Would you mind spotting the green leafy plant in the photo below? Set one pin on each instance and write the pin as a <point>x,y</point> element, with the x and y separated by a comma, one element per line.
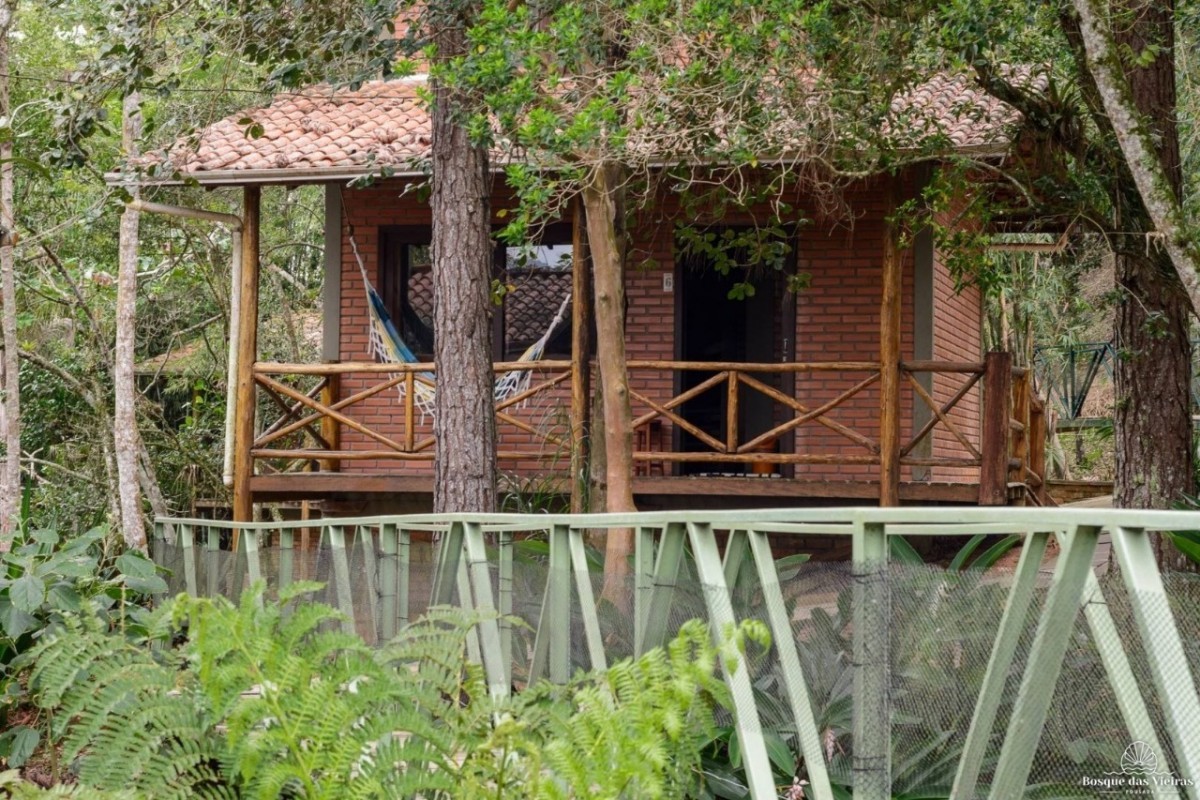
<point>271,699</point>
<point>44,579</point>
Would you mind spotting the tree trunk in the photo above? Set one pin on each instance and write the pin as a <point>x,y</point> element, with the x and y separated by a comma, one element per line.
<point>1152,417</point>
<point>1153,369</point>
<point>464,414</point>
<point>600,205</point>
<point>10,478</point>
<point>1140,101</point>
<point>125,431</point>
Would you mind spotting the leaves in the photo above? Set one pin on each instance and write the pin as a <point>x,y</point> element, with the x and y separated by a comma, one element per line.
<point>17,745</point>
<point>262,703</point>
<point>27,593</point>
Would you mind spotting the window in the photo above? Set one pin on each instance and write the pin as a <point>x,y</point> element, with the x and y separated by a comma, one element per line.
<point>536,279</point>
<point>406,286</point>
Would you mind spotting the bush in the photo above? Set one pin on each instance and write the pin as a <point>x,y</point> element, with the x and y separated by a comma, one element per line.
<point>272,700</point>
<point>46,578</point>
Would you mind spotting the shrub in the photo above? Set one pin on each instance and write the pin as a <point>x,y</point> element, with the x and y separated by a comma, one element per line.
<point>45,578</point>
<point>272,700</point>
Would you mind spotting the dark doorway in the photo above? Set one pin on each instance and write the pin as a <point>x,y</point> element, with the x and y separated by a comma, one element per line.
<point>713,326</point>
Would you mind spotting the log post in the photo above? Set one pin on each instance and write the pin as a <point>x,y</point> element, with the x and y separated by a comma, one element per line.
<point>997,395</point>
<point>1019,425</point>
<point>581,302</point>
<point>331,431</point>
<point>243,432</point>
<point>1037,448</point>
<point>889,355</point>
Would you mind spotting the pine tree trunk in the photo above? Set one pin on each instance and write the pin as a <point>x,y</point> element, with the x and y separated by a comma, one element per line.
<point>1153,370</point>
<point>464,422</point>
<point>600,204</point>
<point>1140,101</point>
<point>10,372</point>
<point>125,431</point>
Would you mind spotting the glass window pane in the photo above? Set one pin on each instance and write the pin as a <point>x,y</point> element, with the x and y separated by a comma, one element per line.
<point>417,322</point>
<point>538,279</point>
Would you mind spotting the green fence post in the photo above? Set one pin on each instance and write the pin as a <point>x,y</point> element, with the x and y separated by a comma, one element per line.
<point>504,543</point>
<point>666,574</point>
<point>643,577</point>
<point>341,576</point>
<point>872,625</point>
<point>1045,662</point>
<point>489,631</point>
<point>1164,648</point>
<point>387,580</point>
<point>188,542</point>
<point>467,600</point>
<point>587,600</point>
<point>1120,674</point>
<point>366,543</point>
<point>403,585</point>
<point>212,560</point>
<point>789,662</point>
<point>446,571</point>
<point>556,625</point>
<point>1012,623</point>
<point>253,564</point>
<point>737,548</point>
<point>759,775</point>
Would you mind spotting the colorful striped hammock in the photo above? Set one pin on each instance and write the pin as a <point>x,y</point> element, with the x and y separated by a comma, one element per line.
<point>389,348</point>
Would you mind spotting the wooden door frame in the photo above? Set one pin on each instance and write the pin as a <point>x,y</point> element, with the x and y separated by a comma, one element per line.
<point>786,346</point>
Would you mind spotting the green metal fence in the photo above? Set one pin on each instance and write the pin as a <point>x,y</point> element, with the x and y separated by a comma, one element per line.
<point>1000,654</point>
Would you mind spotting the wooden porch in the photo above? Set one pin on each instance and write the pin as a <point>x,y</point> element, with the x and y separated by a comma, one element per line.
<point>776,431</point>
<point>355,429</point>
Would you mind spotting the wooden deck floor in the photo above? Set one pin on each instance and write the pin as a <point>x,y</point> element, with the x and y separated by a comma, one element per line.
<point>298,486</point>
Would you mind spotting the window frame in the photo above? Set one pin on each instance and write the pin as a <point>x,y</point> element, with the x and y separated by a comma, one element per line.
<point>393,274</point>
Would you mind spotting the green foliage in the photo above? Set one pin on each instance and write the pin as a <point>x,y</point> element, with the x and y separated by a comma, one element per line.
<point>270,699</point>
<point>12,786</point>
<point>45,579</point>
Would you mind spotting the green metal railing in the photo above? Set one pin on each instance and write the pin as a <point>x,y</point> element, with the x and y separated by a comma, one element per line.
<point>473,548</point>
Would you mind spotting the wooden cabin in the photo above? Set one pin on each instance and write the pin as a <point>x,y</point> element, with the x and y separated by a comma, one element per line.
<point>868,385</point>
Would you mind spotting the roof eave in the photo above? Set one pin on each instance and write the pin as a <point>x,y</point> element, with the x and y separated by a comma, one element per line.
<point>246,177</point>
<point>317,175</point>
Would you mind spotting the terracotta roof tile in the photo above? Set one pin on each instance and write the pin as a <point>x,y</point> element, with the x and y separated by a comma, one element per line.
<point>385,124</point>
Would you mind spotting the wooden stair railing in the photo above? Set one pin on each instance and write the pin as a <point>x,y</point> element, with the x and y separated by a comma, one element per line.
<point>1014,436</point>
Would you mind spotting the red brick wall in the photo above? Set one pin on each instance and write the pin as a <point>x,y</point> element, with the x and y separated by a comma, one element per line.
<point>837,319</point>
<point>957,336</point>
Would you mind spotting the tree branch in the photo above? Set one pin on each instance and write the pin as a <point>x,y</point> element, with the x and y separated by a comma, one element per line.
<point>1154,185</point>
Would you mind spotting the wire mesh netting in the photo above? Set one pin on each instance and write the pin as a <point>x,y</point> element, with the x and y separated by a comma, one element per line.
<point>939,630</point>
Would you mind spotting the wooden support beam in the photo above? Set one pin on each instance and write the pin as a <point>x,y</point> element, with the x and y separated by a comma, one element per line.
<point>331,432</point>
<point>890,355</point>
<point>581,345</point>
<point>1019,425</point>
<point>1037,449</point>
<point>997,395</point>
<point>243,430</point>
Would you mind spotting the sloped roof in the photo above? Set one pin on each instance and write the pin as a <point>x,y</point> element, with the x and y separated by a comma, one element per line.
<point>321,133</point>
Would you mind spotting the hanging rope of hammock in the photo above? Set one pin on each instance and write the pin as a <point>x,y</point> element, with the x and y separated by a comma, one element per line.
<point>387,347</point>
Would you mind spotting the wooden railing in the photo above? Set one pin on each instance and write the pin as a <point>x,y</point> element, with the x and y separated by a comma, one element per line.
<point>806,413</point>
<point>968,375</point>
<point>1014,437</point>
<point>724,443</point>
<point>314,421</point>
